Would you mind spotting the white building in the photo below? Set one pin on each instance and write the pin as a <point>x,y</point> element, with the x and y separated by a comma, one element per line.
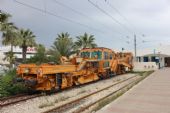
<point>17,53</point>
<point>162,60</point>
<point>158,54</point>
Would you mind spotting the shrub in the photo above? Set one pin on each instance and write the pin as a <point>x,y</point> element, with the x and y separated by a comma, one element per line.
<point>7,85</point>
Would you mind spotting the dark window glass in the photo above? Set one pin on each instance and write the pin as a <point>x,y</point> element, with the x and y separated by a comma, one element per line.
<point>106,56</point>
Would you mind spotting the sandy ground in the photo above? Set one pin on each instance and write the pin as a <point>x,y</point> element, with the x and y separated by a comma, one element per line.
<point>41,104</point>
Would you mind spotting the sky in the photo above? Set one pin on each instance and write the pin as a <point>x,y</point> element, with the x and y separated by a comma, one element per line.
<point>113,22</point>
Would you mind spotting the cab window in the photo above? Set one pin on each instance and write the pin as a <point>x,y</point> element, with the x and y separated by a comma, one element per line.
<point>111,56</point>
<point>96,54</point>
<point>85,54</point>
<point>106,55</point>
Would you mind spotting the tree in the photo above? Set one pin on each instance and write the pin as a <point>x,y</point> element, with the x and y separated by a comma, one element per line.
<point>26,38</point>
<point>63,46</point>
<point>4,20</point>
<point>40,56</point>
<point>9,31</point>
<point>9,36</point>
<point>85,41</point>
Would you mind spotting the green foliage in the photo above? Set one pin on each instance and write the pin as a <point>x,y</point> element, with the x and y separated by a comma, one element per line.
<point>142,73</point>
<point>9,56</point>
<point>63,46</point>
<point>4,18</point>
<point>9,35</point>
<point>41,56</point>
<point>8,87</point>
<point>26,38</point>
<point>9,31</point>
<point>85,41</point>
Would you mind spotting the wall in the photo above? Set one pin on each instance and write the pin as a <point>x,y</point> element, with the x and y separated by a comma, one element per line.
<point>17,53</point>
<point>162,60</point>
<point>145,66</point>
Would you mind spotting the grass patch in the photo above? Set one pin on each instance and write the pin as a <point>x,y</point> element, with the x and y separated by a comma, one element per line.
<point>118,79</point>
<point>61,99</point>
<point>49,103</point>
<point>46,104</point>
<point>107,101</point>
<point>143,73</point>
<point>82,91</point>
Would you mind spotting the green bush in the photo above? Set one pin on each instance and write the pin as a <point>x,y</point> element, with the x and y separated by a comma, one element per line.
<point>8,86</point>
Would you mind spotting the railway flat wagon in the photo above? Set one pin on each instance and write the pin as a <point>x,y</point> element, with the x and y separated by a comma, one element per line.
<point>91,64</point>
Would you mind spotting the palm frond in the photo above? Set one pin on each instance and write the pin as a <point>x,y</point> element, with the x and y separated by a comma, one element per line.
<point>85,41</point>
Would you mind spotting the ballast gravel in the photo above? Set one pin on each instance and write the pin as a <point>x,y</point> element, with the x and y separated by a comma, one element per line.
<point>44,103</point>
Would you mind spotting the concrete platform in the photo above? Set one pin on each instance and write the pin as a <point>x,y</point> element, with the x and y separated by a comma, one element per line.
<point>152,95</point>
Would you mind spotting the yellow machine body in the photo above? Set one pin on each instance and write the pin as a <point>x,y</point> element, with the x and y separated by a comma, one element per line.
<point>90,65</point>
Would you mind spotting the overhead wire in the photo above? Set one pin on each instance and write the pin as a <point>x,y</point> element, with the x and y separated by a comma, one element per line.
<point>45,5</point>
<point>110,16</point>
<point>80,13</point>
<point>125,19</point>
<point>58,16</point>
<point>115,9</point>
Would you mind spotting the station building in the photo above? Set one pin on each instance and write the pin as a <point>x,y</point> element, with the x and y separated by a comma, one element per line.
<point>159,55</point>
<point>161,60</point>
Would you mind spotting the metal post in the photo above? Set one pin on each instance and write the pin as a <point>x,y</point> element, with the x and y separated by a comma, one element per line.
<point>159,59</point>
<point>135,47</point>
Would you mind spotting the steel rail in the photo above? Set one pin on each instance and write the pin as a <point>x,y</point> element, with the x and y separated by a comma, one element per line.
<point>16,99</point>
<point>77,101</point>
<point>110,94</point>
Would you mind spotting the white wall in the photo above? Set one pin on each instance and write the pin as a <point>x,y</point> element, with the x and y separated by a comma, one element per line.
<point>145,66</point>
<point>17,51</point>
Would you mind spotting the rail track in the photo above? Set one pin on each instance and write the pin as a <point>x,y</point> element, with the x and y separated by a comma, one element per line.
<point>23,97</point>
<point>80,104</point>
<point>16,99</point>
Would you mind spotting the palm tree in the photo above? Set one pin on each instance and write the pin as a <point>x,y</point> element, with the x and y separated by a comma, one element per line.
<point>4,18</point>
<point>26,38</point>
<point>63,46</point>
<point>8,34</point>
<point>85,41</point>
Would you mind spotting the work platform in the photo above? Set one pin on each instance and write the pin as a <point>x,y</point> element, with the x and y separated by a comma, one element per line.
<point>152,95</point>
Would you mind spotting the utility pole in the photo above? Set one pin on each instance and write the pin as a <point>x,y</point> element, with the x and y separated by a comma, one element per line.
<point>135,46</point>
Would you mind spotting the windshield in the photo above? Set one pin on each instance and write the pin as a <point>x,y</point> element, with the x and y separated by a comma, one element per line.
<point>96,54</point>
<point>85,54</point>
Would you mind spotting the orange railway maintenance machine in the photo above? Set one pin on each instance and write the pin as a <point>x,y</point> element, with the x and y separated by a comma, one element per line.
<point>90,65</point>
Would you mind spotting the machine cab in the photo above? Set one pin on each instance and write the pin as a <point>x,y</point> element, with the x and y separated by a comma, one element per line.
<point>97,53</point>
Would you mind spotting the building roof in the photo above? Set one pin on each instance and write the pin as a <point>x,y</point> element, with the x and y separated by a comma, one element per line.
<point>162,55</point>
<point>163,49</point>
